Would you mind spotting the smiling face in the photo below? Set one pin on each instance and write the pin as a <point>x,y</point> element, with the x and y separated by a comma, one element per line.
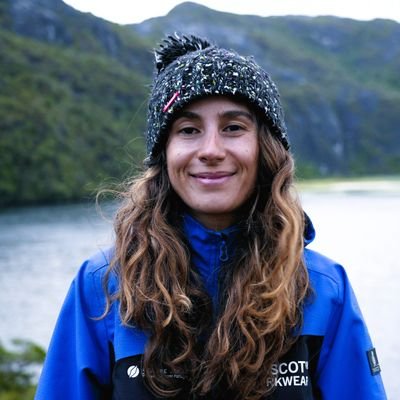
<point>212,158</point>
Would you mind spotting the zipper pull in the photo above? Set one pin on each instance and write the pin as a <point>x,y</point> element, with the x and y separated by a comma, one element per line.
<point>223,250</point>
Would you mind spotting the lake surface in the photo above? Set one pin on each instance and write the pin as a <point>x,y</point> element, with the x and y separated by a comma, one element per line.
<point>41,249</point>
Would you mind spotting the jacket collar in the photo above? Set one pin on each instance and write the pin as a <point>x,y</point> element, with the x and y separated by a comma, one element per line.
<point>309,231</point>
<point>210,249</point>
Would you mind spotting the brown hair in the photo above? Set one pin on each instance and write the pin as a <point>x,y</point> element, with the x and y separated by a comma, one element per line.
<point>161,293</point>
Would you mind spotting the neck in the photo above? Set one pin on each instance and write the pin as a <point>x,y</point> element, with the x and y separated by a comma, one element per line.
<point>215,222</point>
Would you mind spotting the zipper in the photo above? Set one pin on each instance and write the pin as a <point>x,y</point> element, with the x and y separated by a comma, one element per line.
<point>223,249</point>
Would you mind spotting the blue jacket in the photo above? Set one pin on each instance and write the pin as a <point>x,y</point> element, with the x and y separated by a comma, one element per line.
<point>90,358</point>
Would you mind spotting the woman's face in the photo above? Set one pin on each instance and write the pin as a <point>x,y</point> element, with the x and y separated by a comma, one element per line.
<point>212,158</point>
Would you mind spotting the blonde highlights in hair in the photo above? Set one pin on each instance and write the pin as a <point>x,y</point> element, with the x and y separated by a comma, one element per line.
<point>264,289</point>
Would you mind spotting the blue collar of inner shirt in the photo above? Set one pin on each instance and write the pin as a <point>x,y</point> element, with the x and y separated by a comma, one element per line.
<point>210,249</point>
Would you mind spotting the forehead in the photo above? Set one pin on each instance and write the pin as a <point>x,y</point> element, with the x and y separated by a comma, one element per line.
<point>215,104</point>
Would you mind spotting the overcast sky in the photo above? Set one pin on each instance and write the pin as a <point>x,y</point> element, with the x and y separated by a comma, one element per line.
<point>130,11</point>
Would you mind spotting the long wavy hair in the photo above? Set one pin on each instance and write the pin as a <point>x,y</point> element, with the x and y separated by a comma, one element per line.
<point>264,289</point>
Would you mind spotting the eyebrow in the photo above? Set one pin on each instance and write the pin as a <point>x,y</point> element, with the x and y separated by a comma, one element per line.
<point>226,114</point>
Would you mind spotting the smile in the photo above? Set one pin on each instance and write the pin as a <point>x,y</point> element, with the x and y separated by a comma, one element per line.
<point>212,178</point>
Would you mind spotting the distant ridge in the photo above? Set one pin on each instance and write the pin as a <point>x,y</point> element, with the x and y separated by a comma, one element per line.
<point>74,89</point>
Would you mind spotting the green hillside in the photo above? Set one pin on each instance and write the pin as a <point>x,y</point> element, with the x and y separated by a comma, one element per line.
<point>73,92</point>
<point>69,119</point>
<point>338,79</point>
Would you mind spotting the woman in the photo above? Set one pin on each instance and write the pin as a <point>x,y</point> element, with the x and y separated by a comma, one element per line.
<point>209,291</point>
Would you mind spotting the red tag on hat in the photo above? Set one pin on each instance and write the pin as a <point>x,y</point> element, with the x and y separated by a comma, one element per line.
<point>171,101</point>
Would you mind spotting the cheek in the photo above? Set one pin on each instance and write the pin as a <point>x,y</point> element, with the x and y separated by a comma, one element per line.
<point>252,154</point>
<point>176,167</point>
<point>174,161</point>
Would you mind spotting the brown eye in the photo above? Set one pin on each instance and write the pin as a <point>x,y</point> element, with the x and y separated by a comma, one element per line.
<point>189,130</point>
<point>233,128</point>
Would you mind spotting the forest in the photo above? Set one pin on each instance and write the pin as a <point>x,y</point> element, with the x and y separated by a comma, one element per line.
<point>74,89</point>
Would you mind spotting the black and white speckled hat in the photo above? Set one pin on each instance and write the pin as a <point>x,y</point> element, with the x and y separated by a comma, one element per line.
<point>188,68</point>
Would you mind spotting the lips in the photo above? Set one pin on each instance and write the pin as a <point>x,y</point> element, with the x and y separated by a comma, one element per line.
<point>212,179</point>
<point>212,175</point>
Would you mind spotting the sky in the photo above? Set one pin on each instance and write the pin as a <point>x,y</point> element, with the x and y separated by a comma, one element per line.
<point>130,11</point>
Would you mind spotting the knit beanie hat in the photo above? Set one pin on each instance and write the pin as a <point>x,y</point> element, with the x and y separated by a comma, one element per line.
<point>189,68</point>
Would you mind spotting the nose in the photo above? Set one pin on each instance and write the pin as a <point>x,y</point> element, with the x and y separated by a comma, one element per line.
<point>212,148</point>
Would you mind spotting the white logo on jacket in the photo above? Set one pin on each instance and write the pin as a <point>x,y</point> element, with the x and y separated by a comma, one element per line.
<point>133,371</point>
<point>293,373</point>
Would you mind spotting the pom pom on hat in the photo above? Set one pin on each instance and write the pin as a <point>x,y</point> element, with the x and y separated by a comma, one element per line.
<point>174,47</point>
<point>189,68</point>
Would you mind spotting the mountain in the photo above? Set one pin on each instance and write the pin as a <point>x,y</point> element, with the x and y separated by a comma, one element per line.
<point>338,79</point>
<point>74,87</point>
<point>71,101</point>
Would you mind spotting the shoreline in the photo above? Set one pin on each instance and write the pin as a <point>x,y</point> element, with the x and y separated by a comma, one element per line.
<point>366,185</point>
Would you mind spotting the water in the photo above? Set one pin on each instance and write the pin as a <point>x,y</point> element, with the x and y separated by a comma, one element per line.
<point>361,231</point>
<point>41,249</point>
